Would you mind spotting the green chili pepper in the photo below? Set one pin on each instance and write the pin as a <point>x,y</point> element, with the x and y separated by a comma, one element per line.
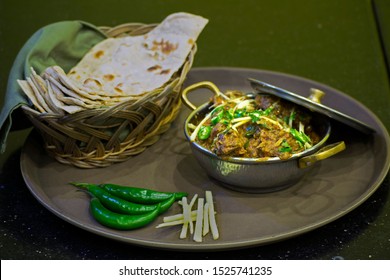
<point>139,195</point>
<point>215,119</point>
<point>204,132</point>
<point>166,204</point>
<point>217,115</point>
<point>120,221</point>
<point>114,203</point>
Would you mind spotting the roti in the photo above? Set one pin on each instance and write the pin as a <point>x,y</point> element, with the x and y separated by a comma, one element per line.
<point>117,69</point>
<point>134,65</point>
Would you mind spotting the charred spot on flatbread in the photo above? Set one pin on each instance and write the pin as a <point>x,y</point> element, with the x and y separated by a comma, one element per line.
<point>154,68</point>
<point>109,77</point>
<point>165,71</point>
<point>164,46</point>
<point>92,83</point>
<point>99,54</point>
<point>118,89</point>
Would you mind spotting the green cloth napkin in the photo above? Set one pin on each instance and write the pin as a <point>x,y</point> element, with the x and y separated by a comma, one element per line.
<point>63,43</point>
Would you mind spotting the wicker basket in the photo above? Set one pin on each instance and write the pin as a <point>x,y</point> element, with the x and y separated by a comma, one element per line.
<point>100,137</point>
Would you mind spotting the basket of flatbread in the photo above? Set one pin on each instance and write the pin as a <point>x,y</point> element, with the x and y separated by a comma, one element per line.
<point>120,97</point>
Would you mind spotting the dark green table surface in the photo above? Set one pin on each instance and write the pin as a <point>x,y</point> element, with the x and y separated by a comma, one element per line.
<point>341,43</point>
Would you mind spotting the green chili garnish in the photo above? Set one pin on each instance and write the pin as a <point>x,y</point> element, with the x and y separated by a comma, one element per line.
<point>217,115</point>
<point>230,113</point>
<point>215,119</point>
<point>204,132</point>
<point>267,111</point>
<point>255,115</point>
<point>240,113</point>
<point>301,137</point>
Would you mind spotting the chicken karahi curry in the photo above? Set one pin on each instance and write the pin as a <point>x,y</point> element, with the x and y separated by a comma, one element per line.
<point>239,125</point>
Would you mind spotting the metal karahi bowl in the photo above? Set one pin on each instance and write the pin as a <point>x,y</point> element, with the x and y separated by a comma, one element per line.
<point>257,175</point>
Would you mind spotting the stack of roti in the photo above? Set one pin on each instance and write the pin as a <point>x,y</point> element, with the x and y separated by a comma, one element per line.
<point>117,69</point>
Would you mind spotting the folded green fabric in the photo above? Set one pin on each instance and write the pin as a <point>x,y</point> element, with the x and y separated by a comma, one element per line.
<point>62,43</point>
